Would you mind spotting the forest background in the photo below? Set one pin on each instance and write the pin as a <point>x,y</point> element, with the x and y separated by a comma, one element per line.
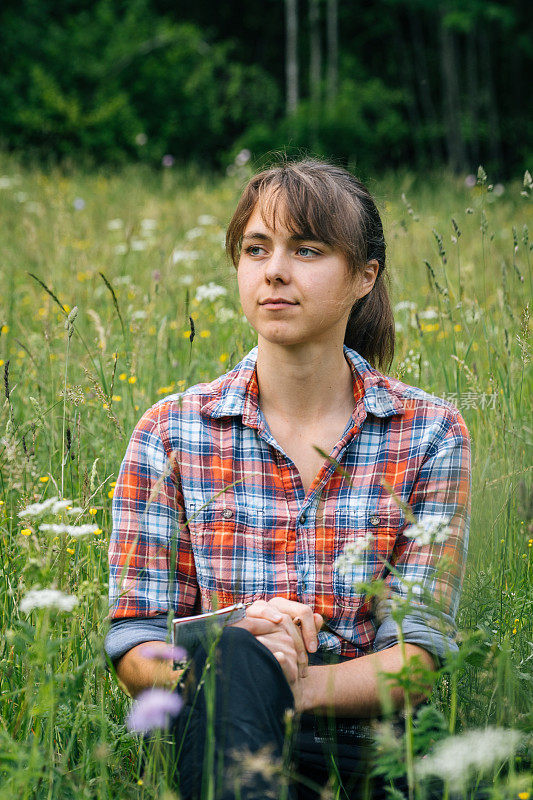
<point>416,83</point>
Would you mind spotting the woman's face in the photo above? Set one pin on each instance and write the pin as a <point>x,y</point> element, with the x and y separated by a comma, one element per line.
<point>296,291</point>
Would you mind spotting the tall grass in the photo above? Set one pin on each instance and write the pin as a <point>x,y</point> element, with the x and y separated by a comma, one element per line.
<point>129,251</point>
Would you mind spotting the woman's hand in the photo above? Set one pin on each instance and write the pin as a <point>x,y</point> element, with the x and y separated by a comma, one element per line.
<point>286,628</point>
<point>301,615</point>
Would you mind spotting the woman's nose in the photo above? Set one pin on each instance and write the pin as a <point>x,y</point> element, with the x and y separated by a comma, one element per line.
<point>277,267</point>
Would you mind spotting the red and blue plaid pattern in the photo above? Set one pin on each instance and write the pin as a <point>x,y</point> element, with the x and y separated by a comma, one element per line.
<point>207,502</point>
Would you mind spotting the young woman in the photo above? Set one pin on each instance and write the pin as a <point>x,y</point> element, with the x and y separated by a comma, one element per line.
<point>248,508</point>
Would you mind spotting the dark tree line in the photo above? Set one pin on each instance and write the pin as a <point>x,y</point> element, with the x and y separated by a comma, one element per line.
<point>374,83</point>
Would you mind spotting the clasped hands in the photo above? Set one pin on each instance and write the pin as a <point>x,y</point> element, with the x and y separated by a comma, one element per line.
<point>289,630</point>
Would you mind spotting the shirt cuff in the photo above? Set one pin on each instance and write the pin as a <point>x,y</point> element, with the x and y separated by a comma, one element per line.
<point>127,633</point>
<point>415,630</point>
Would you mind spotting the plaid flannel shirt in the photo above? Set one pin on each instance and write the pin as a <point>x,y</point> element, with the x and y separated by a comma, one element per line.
<point>208,506</point>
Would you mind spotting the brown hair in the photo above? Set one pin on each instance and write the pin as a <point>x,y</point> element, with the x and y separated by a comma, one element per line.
<point>326,202</point>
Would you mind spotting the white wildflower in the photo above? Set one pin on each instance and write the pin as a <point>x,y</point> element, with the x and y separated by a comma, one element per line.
<point>194,233</point>
<point>186,280</point>
<point>206,219</point>
<point>140,314</point>
<point>138,244</point>
<point>51,506</point>
<point>209,292</point>
<point>398,327</point>
<point>242,157</point>
<point>429,313</point>
<point>122,280</point>
<point>33,208</point>
<point>121,249</point>
<point>76,531</point>
<point>184,255</point>
<point>352,555</point>
<point>459,758</point>
<point>115,224</point>
<point>5,182</point>
<point>405,305</point>
<point>48,598</point>
<point>225,314</point>
<point>148,225</point>
<point>21,197</point>
<point>428,531</point>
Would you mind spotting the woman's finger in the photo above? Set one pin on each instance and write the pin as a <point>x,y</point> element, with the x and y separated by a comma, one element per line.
<point>303,616</point>
<point>262,609</point>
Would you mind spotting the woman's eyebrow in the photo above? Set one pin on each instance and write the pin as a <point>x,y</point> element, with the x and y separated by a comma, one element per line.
<point>294,238</point>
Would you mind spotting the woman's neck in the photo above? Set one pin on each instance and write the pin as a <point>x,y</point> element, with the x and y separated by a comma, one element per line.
<point>304,383</point>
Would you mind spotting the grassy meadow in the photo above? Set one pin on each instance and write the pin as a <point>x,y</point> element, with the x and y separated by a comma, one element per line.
<point>130,251</point>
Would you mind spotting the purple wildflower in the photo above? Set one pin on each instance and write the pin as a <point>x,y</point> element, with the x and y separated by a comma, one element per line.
<point>167,160</point>
<point>79,203</point>
<point>152,710</point>
<point>470,181</point>
<point>167,652</point>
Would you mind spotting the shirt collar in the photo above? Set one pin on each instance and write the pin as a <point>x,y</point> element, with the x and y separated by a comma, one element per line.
<point>238,394</point>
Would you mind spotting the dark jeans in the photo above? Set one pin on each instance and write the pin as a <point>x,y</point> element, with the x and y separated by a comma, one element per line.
<point>245,703</point>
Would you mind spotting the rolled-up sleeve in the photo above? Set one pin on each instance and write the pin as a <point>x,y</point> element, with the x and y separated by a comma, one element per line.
<point>151,564</point>
<point>428,578</point>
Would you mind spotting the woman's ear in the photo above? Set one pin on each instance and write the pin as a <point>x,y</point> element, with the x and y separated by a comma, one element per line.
<point>367,277</point>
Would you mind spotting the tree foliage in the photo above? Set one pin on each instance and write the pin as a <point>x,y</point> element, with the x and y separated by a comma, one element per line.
<point>417,82</point>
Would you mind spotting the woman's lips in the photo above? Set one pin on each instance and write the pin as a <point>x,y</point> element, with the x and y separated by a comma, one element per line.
<point>276,303</point>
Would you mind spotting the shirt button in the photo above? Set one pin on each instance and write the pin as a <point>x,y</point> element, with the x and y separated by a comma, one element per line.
<point>303,517</point>
<point>374,520</point>
<point>227,513</point>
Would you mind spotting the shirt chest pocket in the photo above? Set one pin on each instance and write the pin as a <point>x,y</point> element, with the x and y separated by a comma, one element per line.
<point>229,549</point>
<point>364,546</point>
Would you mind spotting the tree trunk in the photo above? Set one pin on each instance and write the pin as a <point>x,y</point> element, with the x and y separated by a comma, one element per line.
<point>473,95</point>
<point>333,50</point>
<point>419,50</point>
<point>315,65</point>
<point>291,55</point>
<point>452,107</point>
<point>408,82</point>
<point>490,99</point>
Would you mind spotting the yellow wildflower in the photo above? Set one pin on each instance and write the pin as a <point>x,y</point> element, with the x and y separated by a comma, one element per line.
<point>4,329</point>
<point>106,405</point>
<point>113,483</point>
<point>97,532</point>
<point>194,315</point>
<point>44,479</point>
<point>173,325</point>
<point>457,328</point>
<point>1,362</point>
<point>514,630</point>
<point>110,493</point>
<point>122,376</point>
<point>26,531</point>
<point>185,334</point>
<point>93,511</point>
<point>136,408</point>
<point>524,795</point>
<point>41,311</point>
<point>152,330</point>
<point>140,782</point>
<point>205,334</point>
<point>223,357</point>
<point>475,347</point>
<point>117,398</point>
<point>66,308</point>
<point>70,550</point>
<point>530,543</point>
<point>132,379</point>
<point>181,383</point>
